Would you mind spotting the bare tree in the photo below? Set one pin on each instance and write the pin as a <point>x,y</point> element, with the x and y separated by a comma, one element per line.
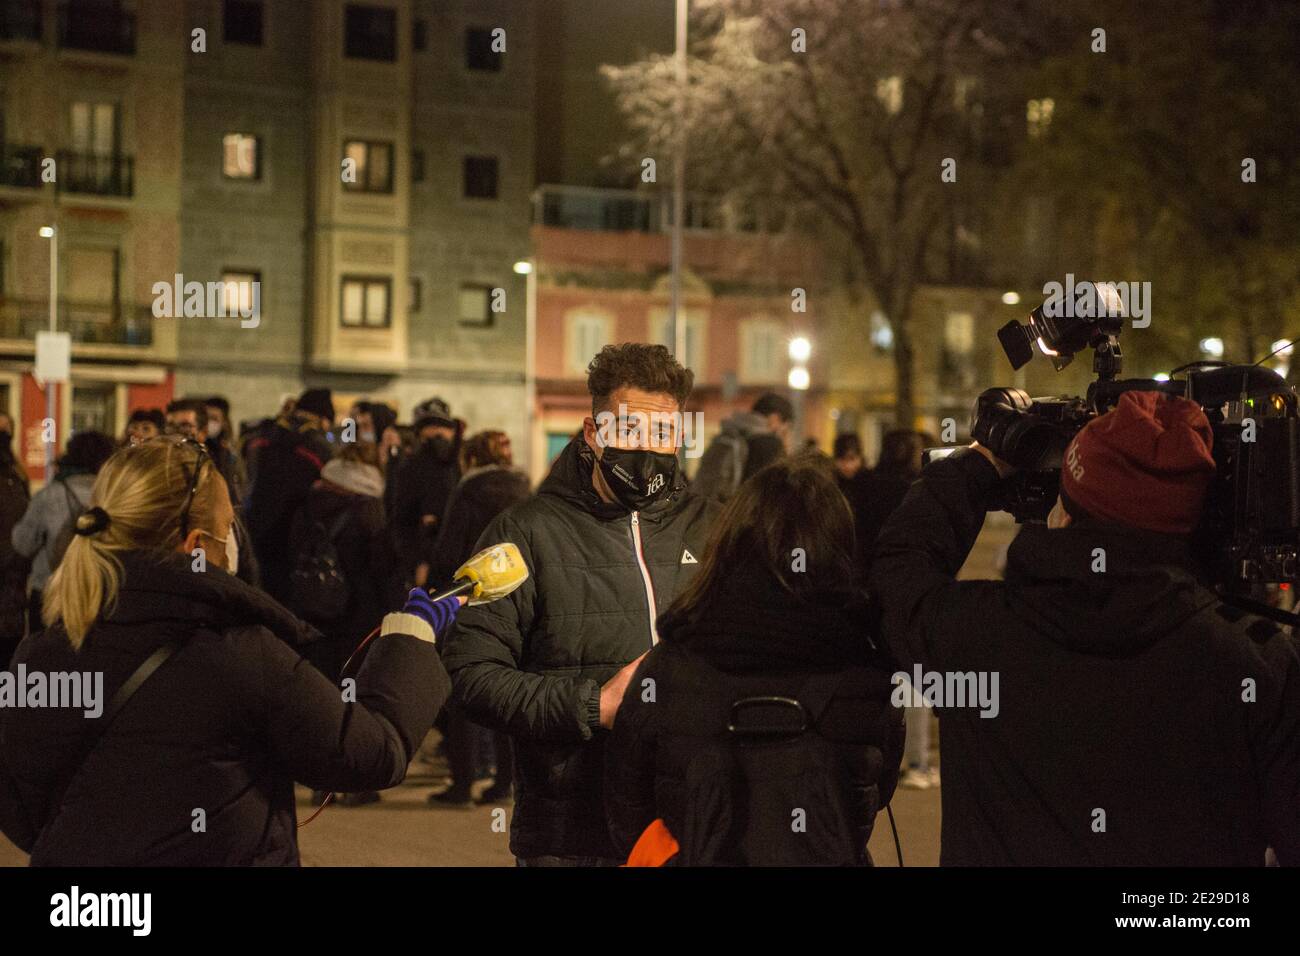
<point>876,114</point>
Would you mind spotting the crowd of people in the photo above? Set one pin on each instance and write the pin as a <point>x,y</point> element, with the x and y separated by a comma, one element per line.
<point>701,672</point>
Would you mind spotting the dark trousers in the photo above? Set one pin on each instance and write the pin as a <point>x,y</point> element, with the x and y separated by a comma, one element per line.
<point>467,743</point>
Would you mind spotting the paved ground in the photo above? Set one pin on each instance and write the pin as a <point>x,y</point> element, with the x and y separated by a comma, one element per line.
<point>402,831</point>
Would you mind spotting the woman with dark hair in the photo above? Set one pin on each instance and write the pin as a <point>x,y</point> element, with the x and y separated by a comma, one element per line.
<point>44,529</point>
<point>710,743</point>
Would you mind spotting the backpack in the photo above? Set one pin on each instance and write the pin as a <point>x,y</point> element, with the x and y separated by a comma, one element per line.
<point>769,790</point>
<point>59,543</point>
<point>318,589</point>
<point>722,466</point>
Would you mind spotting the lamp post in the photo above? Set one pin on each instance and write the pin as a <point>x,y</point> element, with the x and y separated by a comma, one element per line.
<point>527,269</point>
<point>678,320</point>
<point>51,233</point>
<point>800,351</point>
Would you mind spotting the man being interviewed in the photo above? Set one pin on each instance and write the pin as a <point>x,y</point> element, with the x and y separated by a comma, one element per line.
<point>611,537</point>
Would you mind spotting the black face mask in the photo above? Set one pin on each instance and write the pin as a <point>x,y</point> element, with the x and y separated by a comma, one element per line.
<point>637,477</point>
<point>442,448</point>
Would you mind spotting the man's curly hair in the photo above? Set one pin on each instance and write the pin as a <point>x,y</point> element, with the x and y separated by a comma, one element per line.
<point>635,364</point>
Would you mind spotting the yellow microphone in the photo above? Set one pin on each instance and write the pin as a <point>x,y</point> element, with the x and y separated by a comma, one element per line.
<point>491,574</point>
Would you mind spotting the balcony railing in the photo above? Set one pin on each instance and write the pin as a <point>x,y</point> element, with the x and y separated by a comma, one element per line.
<point>101,26</point>
<point>624,210</point>
<point>20,20</point>
<point>96,174</point>
<point>20,166</point>
<point>90,324</point>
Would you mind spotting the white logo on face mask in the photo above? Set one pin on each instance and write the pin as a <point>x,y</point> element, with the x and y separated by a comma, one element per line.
<point>656,483</point>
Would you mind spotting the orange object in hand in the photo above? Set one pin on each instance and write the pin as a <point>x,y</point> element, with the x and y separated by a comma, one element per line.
<point>655,847</point>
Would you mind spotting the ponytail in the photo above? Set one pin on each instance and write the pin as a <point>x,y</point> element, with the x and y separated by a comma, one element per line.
<point>84,586</point>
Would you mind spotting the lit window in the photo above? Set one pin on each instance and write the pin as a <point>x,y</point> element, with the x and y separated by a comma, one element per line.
<point>889,90</point>
<point>371,167</point>
<point>761,350</point>
<point>237,291</point>
<point>365,301</point>
<point>588,333</point>
<point>241,156</point>
<point>1038,114</point>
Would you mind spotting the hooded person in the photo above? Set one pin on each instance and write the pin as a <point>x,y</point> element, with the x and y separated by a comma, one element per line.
<point>424,482</point>
<point>746,442</point>
<point>1100,706</point>
<point>289,458</point>
<point>612,535</point>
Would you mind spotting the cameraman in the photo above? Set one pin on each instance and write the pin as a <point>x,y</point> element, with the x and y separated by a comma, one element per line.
<point>1139,720</point>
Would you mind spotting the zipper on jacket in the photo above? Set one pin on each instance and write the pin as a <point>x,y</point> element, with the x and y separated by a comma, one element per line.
<point>645,577</point>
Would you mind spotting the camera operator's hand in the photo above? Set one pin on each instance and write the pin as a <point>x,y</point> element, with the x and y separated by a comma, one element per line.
<point>1003,469</point>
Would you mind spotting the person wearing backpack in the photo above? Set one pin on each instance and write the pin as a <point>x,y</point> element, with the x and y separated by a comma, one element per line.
<point>45,529</point>
<point>709,743</point>
<point>746,442</point>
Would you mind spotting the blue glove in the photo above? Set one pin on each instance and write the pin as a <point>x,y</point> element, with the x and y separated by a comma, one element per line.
<point>437,614</point>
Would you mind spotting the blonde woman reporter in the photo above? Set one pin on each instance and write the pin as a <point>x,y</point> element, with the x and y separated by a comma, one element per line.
<point>196,764</point>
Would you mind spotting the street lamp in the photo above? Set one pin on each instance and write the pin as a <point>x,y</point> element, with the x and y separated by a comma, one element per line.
<point>799,379</point>
<point>51,233</point>
<point>800,350</point>
<point>1213,347</point>
<point>1011,298</point>
<point>526,268</point>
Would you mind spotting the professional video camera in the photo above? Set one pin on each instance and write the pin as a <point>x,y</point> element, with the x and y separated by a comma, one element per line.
<point>1250,530</point>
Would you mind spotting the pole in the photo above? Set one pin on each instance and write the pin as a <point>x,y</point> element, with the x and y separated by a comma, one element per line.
<point>530,368</point>
<point>677,319</point>
<point>51,387</point>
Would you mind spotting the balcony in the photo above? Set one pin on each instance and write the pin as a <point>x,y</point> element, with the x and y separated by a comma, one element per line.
<point>90,324</point>
<point>20,166</point>
<point>20,20</point>
<point>96,174</point>
<point>625,210</point>
<point>97,26</point>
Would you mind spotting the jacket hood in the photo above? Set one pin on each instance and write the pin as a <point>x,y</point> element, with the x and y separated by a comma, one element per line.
<point>751,623</point>
<point>161,587</point>
<point>1148,588</point>
<point>744,424</point>
<point>570,479</point>
<point>354,476</point>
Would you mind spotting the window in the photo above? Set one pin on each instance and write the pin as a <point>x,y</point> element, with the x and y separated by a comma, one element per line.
<point>415,295</point>
<point>475,306</point>
<point>480,177</point>
<point>959,333</point>
<point>661,332</point>
<point>238,293</point>
<point>420,34</point>
<point>889,90</point>
<point>1038,116</point>
<point>761,351</point>
<point>588,333</point>
<point>94,128</point>
<point>366,302</point>
<point>417,165</point>
<point>90,278</point>
<point>242,22</point>
<point>369,33</point>
<point>94,408</point>
<point>372,164</point>
<point>479,54</point>
<point>241,156</point>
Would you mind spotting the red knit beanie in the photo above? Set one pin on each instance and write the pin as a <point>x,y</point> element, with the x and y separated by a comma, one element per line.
<point>1146,464</point>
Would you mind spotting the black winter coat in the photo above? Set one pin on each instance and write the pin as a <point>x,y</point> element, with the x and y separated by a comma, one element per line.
<point>1119,692</point>
<point>288,460</point>
<point>424,483</point>
<point>225,726</point>
<point>483,493</point>
<point>533,664</point>
<point>751,639</point>
<point>365,558</point>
